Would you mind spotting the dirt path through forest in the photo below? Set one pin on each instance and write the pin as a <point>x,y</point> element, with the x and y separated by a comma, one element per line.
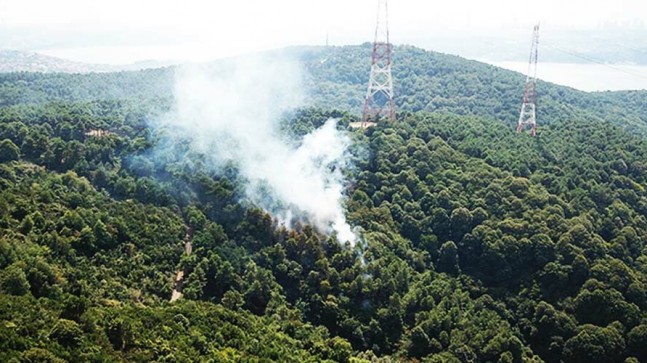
<point>179,277</point>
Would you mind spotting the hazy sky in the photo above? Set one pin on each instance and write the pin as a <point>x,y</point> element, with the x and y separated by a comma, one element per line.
<point>199,30</point>
<point>285,14</point>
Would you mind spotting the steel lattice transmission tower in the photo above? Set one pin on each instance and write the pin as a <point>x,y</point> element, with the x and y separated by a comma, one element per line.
<point>379,96</point>
<point>528,114</point>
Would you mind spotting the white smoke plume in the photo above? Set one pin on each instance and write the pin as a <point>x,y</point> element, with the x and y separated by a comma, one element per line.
<point>232,114</point>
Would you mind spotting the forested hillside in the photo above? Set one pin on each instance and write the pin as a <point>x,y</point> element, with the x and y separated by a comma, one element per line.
<point>481,245</point>
<point>428,81</point>
<point>336,78</point>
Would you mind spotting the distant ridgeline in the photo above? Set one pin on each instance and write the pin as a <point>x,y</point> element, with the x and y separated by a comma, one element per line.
<point>336,78</point>
<point>482,245</point>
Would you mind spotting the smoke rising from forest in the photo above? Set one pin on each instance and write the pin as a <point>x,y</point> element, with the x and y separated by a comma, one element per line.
<point>232,114</point>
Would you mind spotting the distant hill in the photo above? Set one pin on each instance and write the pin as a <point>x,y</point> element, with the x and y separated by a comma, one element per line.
<point>21,61</point>
<point>432,81</point>
<point>336,78</point>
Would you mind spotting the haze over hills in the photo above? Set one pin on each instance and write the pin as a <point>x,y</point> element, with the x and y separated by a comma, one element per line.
<point>476,244</point>
<point>336,77</point>
<point>602,65</point>
<point>23,61</point>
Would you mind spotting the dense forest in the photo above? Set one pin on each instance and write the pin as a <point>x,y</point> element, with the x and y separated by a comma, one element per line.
<point>481,245</point>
